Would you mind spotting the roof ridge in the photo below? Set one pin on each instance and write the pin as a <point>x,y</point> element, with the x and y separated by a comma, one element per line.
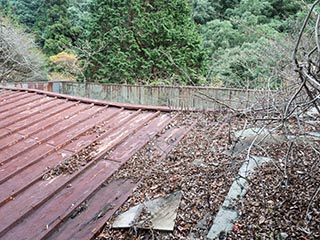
<point>90,100</point>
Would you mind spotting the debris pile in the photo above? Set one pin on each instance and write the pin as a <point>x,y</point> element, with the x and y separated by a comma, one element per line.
<point>228,213</point>
<point>197,167</point>
<point>72,164</point>
<point>283,201</point>
<point>157,214</point>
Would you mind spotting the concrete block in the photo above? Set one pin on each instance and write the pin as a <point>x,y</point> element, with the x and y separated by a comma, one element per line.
<point>163,213</point>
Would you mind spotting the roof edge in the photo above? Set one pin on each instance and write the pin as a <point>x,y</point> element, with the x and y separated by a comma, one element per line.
<point>90,100</point>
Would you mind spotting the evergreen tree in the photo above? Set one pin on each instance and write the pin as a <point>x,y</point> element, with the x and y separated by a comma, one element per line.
<point>79,13</point>
<point>145,40</point>
<point>25,11</point>
<point>53,28</point>
<point>48,19</point>
<point>208,10</point>
<point>5,8</point>
<point>203,11</point>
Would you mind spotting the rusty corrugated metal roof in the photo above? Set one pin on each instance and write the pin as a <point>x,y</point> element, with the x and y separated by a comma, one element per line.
<point>56,153</point>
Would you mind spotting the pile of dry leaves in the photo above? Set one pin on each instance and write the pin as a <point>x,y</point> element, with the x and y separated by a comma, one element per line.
<point>197,166</point>
<point>282,202</point>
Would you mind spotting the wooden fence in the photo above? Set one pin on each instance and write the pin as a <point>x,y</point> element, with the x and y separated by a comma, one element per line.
<point>184,98</point>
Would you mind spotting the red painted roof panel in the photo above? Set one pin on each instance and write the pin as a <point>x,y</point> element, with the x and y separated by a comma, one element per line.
<point>55,155</point>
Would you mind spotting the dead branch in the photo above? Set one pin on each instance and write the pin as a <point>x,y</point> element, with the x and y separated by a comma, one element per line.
<point>19,60</point>
<point>219,102</point>
<point>308,68</point>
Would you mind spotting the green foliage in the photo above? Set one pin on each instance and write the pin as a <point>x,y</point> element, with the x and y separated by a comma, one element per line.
<point>250,66</point>
<point>24,11</point>
<point>79,14</point>
<point>207,10</point>
<point>284,8</point>
<point>53,29</point>
<point>4,8</point>
<point>243,40</point>
<point>156,42</point>
<point>47,19</point>
<point>220,34</point>
<point>145,41</point>
<point>203,11</point>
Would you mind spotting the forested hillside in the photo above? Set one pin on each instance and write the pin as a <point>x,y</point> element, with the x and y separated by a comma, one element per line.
<point>234,43</point>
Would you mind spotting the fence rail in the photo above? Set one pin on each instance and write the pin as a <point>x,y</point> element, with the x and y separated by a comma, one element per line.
<point>184,98</point>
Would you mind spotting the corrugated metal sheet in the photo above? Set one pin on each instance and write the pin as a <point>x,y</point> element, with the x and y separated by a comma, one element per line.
<point>53,161</point>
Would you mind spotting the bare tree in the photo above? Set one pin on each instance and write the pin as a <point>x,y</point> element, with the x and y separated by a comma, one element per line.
<point>20,60</point>
<point>306,57</point>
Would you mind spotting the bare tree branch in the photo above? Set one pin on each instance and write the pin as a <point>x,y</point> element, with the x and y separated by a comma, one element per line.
<point>19,58</point>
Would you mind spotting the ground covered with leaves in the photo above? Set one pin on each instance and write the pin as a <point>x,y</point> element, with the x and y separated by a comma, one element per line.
<point>282,202</point>
<point>197,166</point>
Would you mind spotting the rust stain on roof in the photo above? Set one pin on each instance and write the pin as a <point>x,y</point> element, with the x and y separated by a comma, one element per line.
<point>56,154</point>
